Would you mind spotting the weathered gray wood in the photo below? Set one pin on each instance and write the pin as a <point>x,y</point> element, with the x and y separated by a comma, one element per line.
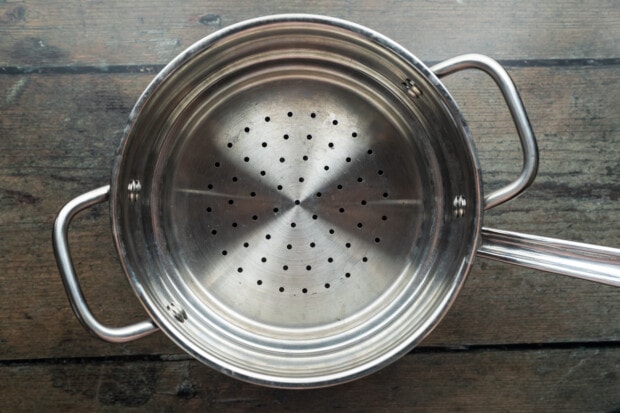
<point>53,149</point>
<point>577,380</point>
<point>58,133</point>
<point>60,33</point>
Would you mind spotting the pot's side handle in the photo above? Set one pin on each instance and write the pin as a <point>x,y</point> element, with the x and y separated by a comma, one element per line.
<point>517,111</point>
<point>69,278</point>
<point>585,261</point>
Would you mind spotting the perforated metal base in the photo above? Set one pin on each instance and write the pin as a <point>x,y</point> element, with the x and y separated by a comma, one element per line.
<point>294,197</point>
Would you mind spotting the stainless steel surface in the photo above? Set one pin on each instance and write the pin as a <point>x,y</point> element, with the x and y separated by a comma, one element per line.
<point>585,261</point>
<point>69,278</point>
<point>297,200</point>
<point>519,116</point>
<point>295,224</point>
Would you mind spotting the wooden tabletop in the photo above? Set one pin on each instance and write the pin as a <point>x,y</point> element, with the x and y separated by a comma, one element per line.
<point>515,340</point>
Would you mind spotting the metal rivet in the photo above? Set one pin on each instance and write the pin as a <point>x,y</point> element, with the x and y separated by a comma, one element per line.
<point>134,189</point>
<point>412,88</point>
<point>459,205</point>
<point>178,313</point>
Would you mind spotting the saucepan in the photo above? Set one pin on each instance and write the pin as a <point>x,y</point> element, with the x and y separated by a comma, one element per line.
<point>297,200</point>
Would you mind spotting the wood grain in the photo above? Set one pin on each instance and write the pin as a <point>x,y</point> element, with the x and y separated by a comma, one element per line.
<point>77,33</point>
<point>576,380</point>
<point>515,340</point>
<point>53,150</point>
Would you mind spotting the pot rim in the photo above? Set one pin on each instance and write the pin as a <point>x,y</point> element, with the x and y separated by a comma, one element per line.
<point>117,191</point>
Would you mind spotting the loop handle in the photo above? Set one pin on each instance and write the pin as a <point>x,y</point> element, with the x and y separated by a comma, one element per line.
<point>519,116</point>
<point>69,278</point>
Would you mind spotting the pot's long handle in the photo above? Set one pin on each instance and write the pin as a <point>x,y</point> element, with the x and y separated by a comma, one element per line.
<point>517,111</point>
<point>585,261</point>
<point>70,281</point>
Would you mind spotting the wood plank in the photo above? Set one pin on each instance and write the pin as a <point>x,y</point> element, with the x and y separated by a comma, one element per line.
<point>545,380</point>
<point>75,33</point>
<point>54,149</point>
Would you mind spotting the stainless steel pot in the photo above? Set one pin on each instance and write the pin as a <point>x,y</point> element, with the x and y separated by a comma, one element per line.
<point>297,201</point>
